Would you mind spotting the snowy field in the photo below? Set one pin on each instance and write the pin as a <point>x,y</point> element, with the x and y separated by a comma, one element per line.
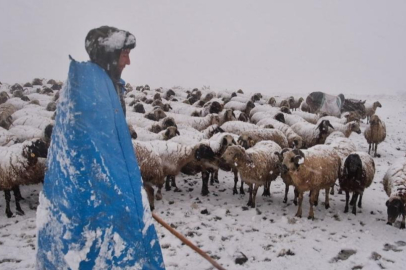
<point>270,237</point>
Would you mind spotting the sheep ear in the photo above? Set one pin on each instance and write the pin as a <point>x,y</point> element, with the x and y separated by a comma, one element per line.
<point>387,203</point>
<point>298,160</point>
<point>177,132</point>
<point>329,124</point>
<point>279,155</point>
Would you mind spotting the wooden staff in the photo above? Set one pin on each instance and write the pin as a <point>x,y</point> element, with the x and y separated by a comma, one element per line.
<point>187,242</point>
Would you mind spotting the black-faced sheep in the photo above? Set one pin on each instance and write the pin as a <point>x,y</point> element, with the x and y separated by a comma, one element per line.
<point>155,115</point>
<point>394,183</point>
<point>357,174</point>
<point>375,133</point>
<point>6,112</point>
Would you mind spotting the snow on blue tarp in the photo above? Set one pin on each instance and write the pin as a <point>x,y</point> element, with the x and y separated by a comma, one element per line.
<point>93,212</point>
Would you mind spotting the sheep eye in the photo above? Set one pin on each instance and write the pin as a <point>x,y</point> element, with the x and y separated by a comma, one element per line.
<point>32,155</point>
<point>292,159</point>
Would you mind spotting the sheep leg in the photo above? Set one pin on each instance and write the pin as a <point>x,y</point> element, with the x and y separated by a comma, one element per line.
<point>205,183</point>
<point>369,150</point>
<point>299,209</point>
<point>347,198</point>
<point>242,187</point>
<point>354,207</point>
<point>360,201</point>
<point>267,189</point>
<point>254,195</point>
<point>285,199</point>
<point>250,198</point>
<point>167,183</point>
<point>158,195</point>
<point>216,176</point>
<point>376,150</point>
<point>296,196</point>
<point>332,189</point>
<point>235,184</point>
<point>402,224</point>
<point>7,194</point>
<point>150,192</point>
<point>17,193</point>
<point>327,199</point>
<point>312,199</point>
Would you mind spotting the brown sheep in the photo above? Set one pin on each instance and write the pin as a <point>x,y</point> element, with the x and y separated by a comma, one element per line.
<point>375,133</point>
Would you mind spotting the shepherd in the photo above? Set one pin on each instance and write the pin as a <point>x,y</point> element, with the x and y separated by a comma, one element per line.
<point>93,211</point>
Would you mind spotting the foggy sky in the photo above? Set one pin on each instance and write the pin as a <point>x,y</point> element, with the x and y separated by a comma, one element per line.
<point>268,46</point>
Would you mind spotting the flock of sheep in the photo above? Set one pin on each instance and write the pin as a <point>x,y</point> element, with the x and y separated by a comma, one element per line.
<point>257,138</point>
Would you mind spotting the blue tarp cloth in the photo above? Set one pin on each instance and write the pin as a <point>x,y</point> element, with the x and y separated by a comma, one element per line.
<point>93,211</point>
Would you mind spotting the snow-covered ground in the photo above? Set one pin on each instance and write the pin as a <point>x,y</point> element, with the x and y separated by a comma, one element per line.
<point>270,237</point>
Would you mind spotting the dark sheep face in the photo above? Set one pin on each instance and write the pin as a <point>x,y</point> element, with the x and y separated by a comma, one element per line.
<point>280,117</point>
<point>25,98</point>
<point>395,208</point>
<point>215,107</point>
<point>323,126</point>
<point>48,132</point>
<point>37,149</point>
<point>139,108</point>
<point>246,142</point>
<point>204,152</point>
<point>168,122</point>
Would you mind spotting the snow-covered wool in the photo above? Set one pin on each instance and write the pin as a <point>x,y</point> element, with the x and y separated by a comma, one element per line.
<point>370,109</point>
<point>33,121</point>
<point>309,117</point>
<point>265,108</point>
<point>138,119</point>
<point>394,183</point>
<point>344,146</point>
<point>357,174</point>
<point>199,123</point>
<point>257,166</point>
<point>151,169</point>
<point>6,138</point>
<point>174,156</point>
<point>164,135</point>
<point>244,107</point>
<point>23,133</point>
<point>296,103</point>
<point>238,127</point>
<point>347,129</point>
<point>294,140</point>
<point>6,112</point>
<point>344,119</point>
<point>184,109</point>
<point>20,165</point>
<point>312,134</point>
<point>312,170</point>
<point>30,110</point>
<point>375,133</point>
<point>43,99</point>
<point>249,138</point>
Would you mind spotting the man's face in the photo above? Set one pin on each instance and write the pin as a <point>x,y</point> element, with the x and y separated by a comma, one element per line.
<point>124,59</point>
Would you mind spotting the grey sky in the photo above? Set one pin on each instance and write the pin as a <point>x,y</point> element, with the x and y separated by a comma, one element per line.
<point>297,46</point>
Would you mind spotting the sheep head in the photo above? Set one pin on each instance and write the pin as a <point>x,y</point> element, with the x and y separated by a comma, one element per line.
<point>377,104</point>
<point>48,132</point>
<point>133,134</point>
<point>243,117</point>
<point>246,141</point>
<point>215,107</point>
<point>139,108</point>
<point>229,115</point>
<point>272,101</point>
<point>280,117</point>
<point>170,133</point>
<point>292,160</point>
<point>375,120</point>
<point>166,107</point>
<point>355,127</point>
<point>167,122</point>
<point>352,169</point>
<point>285,109</point>
<point>35,149</point>
<point>157,96</point>
<point>204,151</point>
<point>214,119</point>
<point>234,154</point>
<point>395,208</point>
<point>284,103</point>
<point>226,142</point>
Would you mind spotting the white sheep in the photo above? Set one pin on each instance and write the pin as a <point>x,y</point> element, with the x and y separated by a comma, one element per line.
<point>164,135</point>
<point>346,129</point>
<point>199,123</point>
<point>394,183</point>
<point>309,117</point>
<point>33,121</point>
<point>370,109</point>
<point>294,140</point>
<point>238,127</point>
<point>244,107</point>
<point>257,166</point>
